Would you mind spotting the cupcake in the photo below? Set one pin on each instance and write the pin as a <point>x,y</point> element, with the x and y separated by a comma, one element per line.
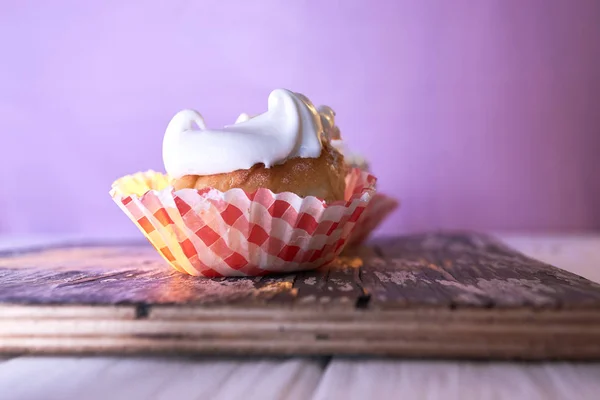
<point>270,193</point>
<point>381,206</point>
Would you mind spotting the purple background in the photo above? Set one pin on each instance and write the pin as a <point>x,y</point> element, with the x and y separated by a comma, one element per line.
<point>477,114</point>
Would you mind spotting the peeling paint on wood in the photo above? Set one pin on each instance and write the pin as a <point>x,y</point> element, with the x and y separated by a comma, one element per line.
<point>434,295</point>
<point>443,270</point>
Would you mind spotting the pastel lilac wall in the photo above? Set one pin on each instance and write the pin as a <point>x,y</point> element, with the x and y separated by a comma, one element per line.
<point>477,114</point>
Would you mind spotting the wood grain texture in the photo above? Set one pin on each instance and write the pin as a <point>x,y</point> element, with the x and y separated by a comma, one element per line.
<point>357,379</point>
<point>435,295</point>
<point>133,378</point>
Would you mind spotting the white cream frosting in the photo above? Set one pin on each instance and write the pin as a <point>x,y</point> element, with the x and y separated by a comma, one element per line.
<point>290,128</point>
<point>243,118</point>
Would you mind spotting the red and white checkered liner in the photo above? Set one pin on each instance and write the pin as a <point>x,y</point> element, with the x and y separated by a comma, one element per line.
<point>212,233</point>
<point>378,210</point>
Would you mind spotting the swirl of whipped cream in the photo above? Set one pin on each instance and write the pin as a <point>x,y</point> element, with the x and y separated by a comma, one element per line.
<point>244,117</point>
<point>290,128</point>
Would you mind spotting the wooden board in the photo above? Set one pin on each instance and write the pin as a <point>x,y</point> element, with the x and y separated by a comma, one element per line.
<point>435,295</point>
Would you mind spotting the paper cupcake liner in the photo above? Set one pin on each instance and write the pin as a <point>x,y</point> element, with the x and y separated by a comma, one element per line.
<point>378,209</point>
<point>212,233</point>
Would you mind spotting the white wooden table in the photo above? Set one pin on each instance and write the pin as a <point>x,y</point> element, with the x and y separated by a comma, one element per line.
<point>312,378</point>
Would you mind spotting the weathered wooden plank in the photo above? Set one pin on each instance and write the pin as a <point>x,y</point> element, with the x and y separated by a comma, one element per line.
<point>481,349</point>
<point>452,295</point>
<point>278,290</point>
<point>423,270</point>
<point>474,270</point>
<point>437,332</point>
<point>398,284</point>
<point>341,286</point>
<point>121,275</point>
<point>330,286</point>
